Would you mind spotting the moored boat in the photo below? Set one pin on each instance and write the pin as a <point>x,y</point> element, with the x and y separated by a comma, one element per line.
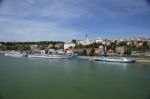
<point>47,56</point>
<point>14,54</point>
<point>121,59</point>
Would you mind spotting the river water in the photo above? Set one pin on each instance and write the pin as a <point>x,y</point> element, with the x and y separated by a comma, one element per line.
<point>23,78</point>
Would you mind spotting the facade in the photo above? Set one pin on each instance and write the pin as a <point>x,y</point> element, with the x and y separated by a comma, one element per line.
<point>42,51</point>
<point>97,51</point>
<point>59,46</point>
<point>99,40</point>
<point>51,51</point>
<point>34,47</point>
<point>68,45</point>
<point>86,42</point>
<point>110,52</point>
<point>70,51</point>
<point>61,52</point>
<point>120,50</point>
<point>107,42</point>
<point>50,46</point>
<point>102,49</point>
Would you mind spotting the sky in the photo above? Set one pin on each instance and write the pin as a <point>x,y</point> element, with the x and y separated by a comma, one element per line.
<point>64,20</point>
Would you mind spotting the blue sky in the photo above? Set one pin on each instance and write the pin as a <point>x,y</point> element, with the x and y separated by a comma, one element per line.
<point>33,20</point>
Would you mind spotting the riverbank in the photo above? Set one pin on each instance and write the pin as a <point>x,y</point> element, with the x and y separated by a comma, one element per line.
<point>92,58</point>
<point>137,59</point>
<point>143,60</point>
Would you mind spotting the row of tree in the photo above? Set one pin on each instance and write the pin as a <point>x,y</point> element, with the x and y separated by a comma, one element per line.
<point>24,46</point>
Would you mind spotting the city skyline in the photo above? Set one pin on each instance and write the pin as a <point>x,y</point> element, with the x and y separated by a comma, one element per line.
<point>63,20</point>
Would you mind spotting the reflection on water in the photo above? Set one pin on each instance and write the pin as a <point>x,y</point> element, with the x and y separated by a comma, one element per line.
<point>113,63</point>
<point>1,96</point>
<point>23,78</point>
<point>148,97</point>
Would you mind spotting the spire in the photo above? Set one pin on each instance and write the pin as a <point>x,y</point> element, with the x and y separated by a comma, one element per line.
<point>86,36</point>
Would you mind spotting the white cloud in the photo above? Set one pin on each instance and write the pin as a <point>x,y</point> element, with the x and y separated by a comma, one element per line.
<point>44,19</point>
<point>26,30</point>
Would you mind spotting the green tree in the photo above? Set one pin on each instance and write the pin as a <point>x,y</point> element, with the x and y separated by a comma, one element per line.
<point>92,53</point>
<point>74,41</point>
<point>145,46</point>
<point>84,52</point>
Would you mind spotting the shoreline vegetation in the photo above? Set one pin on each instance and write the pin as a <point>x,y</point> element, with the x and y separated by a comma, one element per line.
<point>131,49</point>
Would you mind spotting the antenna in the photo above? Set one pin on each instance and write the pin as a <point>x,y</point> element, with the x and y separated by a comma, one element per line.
<point>86,36</point>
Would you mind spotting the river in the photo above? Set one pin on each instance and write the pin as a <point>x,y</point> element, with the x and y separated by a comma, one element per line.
<point>23,78</point>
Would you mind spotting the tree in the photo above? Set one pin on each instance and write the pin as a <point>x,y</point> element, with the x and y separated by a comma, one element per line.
<point>92,53</point>
<point>112,46</point>
<point>74,41</point>
<point>2,47</point>
<point>84,52</point>
<point>145,46</point>
<point>123,44</point>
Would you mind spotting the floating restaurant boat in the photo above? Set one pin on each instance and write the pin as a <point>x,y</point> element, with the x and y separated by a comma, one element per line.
<point>121,59</point>
<point>47,56</point>
<point>14,54</point>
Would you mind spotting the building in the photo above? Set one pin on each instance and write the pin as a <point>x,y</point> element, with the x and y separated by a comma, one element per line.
<point>68,45</point>
<point>42,51</point>
<point>129,42</point>
<point>120,50</point>
<point>33,47</point>
<point>121,40</point>
<point>60,45</point>
<point>102,50</point>
<point>99,40</point>
<point>60,52</point>
<point>50,46</point>
<point>51,51</point>
<point>97,51</point>
<point>106,42</point>
<point>110,52</point>
<point>70,51</point>
<point>86,42</point>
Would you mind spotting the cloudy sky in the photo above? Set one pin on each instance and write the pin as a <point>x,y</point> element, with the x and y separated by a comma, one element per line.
<point>32,20</point>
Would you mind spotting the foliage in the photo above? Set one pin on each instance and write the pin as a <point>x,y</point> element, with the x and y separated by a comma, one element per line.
<point>84,52</point>
<point>92,53</point>
<point>74,41</point>
<point>24,46</point>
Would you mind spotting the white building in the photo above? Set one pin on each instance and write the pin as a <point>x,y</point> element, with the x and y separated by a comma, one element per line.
<point>86,42</point>
<point>120,50</point>
<point>102,49</point>
<point>60,52</point>
<point>68,45</point>
<point>42,51</point>
<point>51,51</point>
<point>99,40</point>
<point>34,47</point>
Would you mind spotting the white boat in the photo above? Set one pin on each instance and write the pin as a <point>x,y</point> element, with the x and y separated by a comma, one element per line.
<point>47,56</point>
<point>121,59</point>
<point>14,54</point>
